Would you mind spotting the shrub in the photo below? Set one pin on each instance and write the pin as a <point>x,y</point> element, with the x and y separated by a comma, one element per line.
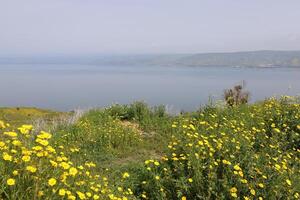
<point>236,96</point>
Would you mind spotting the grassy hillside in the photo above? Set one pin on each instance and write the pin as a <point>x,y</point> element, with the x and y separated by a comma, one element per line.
<point>26,115</point>
<point>137,152</point>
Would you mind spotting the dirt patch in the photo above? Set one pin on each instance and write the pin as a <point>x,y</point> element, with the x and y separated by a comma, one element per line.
<point>133,126</point>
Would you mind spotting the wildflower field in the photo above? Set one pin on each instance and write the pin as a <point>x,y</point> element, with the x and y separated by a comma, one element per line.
<point>136,152</point>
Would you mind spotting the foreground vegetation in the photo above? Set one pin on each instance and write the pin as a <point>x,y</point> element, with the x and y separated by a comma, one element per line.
<point>137,152</point>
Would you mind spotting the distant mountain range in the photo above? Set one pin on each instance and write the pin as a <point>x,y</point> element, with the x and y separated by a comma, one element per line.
<point>236,59</point>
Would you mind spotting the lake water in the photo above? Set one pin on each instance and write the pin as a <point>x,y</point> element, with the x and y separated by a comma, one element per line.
<point>66,87</point>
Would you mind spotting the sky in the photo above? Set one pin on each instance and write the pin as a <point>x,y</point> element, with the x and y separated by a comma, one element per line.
<point>82,27</point>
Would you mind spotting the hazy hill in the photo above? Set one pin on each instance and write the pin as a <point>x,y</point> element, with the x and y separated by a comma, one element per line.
<point>246,59</point>
<point>241,59</point>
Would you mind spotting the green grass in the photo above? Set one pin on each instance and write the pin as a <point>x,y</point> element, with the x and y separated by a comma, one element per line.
<point>112,140</point>
<point>26,115</point>
<point>244,152</point>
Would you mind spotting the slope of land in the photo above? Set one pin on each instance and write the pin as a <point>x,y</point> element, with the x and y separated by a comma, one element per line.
<point>26,115</point>
<point>242,59</point>
<point>136,152</point>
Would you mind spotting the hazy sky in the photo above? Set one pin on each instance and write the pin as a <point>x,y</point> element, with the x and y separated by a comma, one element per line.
<point>147,26</point>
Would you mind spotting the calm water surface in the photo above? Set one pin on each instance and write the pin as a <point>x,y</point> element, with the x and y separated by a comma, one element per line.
<point>65,87</point>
